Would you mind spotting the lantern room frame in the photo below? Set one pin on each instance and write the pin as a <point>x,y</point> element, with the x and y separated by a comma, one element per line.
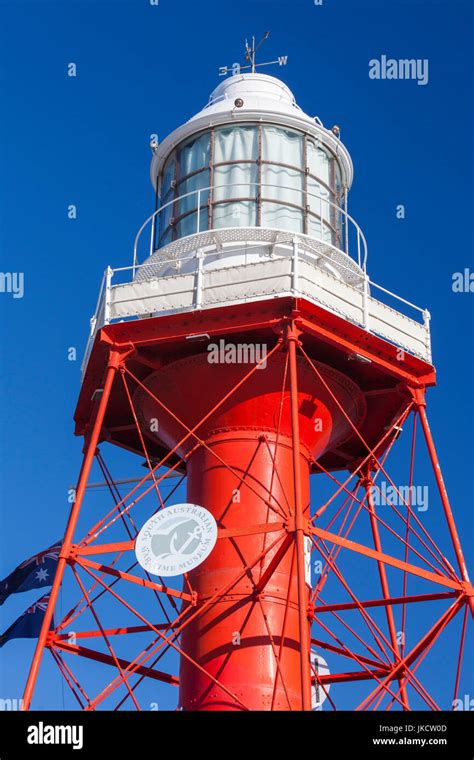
<point>337,200</point>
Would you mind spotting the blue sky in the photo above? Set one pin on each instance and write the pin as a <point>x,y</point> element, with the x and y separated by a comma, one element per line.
<point>143,69</point>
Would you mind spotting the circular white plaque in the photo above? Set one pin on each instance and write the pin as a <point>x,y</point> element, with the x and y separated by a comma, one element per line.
<point>176,539</point>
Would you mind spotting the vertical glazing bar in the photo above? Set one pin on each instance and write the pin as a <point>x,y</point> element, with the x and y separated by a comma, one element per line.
<point>260,177</point>
<point>210,207</point>
<point>198,225</point>
<point>321,212</point>
<point>332,214</point>
<point>305,187</point>
<point>176,205</point>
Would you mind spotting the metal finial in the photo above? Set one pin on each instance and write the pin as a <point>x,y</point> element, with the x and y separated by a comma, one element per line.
<point>250,54</point>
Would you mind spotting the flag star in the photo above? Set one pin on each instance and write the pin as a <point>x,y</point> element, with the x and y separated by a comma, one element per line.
<point>42,575</point>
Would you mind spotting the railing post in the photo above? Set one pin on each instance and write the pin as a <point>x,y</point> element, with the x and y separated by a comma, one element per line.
<point>152,234</point>
<point>108,280</point>
<point>426,323</point>
<point>199,275</point>
<point>295,268</point>
<point>365,303</point>
<point>346,242</point>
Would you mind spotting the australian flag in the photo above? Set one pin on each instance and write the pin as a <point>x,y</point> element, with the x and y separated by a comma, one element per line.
<point>35,572</point>
<point>29,624</point>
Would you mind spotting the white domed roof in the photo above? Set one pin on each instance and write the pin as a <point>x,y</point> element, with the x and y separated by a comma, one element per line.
<point>252,98</point>
<point>255,90</point>
<point>252,93</point>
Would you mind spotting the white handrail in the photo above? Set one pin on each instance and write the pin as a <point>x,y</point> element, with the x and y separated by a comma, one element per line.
<point>244,249</point>
<point>362,261</point>
<point>200,256</point>
<point>103,315</point>
<point>93,324</point>
<point>398,298</point>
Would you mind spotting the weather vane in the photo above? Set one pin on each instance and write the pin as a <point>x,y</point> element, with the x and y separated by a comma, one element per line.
<point>250,52</point>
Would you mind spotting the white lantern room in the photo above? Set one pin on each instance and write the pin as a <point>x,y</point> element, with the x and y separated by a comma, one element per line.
<point>251,204</point>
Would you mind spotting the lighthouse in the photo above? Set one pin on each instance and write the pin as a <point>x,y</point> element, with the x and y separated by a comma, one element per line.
<point>246,350</point>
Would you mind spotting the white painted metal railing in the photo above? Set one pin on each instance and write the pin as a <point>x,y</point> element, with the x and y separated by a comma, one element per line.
<point>304,268</point>
<point>352,237</point>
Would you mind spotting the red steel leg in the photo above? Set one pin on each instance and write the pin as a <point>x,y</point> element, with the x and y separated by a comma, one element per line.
<point>368,483</point>
<point>114,360</point>
<point>419,398</point>
<point>303,596</point>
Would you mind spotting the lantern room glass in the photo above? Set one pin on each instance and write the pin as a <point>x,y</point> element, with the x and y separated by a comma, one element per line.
<point>248,175</point>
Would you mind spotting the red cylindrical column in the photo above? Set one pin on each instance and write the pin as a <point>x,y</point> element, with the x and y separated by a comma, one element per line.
<point>248,641</point>
<point>244,467</point>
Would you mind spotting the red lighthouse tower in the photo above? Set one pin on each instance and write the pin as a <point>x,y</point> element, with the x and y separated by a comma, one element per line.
<point>250,355</point>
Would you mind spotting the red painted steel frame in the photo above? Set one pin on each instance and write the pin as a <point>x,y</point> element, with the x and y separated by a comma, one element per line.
<point>368,483</point>
<point>243,632</point>
<point>91,445</point>
<point>419,398</point>
<point>301,526</point>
